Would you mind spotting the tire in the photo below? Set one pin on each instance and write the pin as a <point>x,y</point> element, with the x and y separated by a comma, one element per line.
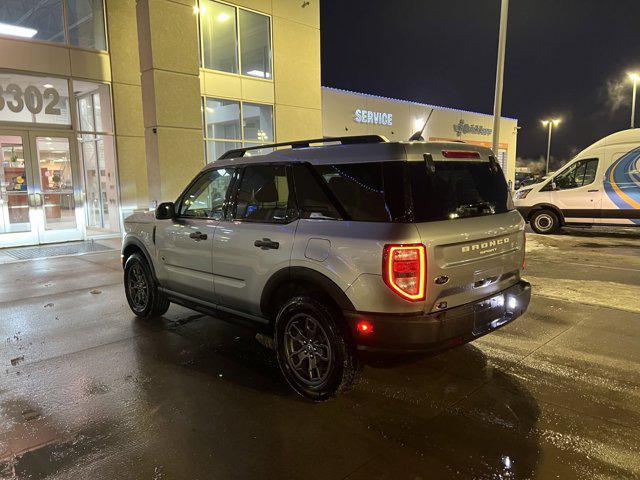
<point>143,296</point>
<point>544,222</point>
<point>307,326</point>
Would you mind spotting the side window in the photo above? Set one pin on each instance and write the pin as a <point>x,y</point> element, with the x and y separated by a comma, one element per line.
<point>359,189</point>
<point>263,194</point>
<point>579,174</point>
<point>589,175</point>
<point>312,200</point>
<point>206,197</point>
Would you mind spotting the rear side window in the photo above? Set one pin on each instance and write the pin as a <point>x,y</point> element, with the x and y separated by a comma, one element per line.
<point>263,194</point>
<point>457,189</point>
<point>368,192</point>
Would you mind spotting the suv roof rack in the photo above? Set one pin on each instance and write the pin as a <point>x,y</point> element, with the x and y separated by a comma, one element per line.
<point>349,140</point>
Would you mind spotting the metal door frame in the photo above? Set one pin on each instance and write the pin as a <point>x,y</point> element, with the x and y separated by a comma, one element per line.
<point>38,233</point>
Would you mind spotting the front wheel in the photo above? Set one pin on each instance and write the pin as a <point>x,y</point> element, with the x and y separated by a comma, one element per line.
<point>544,222</point>
<point>314,355</point>
<point>143,296</point>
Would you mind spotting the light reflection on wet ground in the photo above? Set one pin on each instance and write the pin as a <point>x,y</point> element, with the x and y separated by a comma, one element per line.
<point>96,394</point>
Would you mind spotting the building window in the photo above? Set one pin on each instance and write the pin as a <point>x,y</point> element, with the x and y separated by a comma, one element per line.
<point>235,40</point>
<point>97,153</point>
<point>255,44</point>
<point>230,124</point>
<point>45,20</point>
<point>86,24</point>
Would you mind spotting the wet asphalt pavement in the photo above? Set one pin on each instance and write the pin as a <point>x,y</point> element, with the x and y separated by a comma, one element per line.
<point>89,392</point>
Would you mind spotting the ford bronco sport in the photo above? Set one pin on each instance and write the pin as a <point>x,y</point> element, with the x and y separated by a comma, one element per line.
<point>337,246</point>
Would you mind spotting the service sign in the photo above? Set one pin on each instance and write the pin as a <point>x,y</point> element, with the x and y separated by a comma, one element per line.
<point>376,118</point>
<point>29,99</point>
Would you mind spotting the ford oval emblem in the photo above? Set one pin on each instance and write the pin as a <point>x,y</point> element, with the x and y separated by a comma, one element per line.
<point>442,279</point>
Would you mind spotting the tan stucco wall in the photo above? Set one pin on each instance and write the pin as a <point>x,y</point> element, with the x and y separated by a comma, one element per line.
<point>338,109</point>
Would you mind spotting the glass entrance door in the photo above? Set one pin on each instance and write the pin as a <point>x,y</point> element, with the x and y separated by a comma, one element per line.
<point>17,191</point>
<point>39,188</point>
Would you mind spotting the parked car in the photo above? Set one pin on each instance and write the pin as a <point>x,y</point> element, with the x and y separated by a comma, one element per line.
<point>335,247</point>
<point>600,186</point>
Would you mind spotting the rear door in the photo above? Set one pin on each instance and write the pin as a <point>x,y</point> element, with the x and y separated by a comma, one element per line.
<point>256,238</point>
<point>185,243</point>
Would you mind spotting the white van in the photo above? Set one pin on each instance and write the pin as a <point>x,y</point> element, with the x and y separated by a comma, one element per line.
<point>600,186</point>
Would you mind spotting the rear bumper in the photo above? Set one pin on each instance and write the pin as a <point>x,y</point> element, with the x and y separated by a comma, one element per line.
<point>440,330</point>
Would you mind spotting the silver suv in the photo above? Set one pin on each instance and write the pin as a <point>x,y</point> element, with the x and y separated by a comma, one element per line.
<point>338,246</point>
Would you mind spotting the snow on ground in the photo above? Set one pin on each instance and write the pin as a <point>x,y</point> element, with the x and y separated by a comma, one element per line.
<point>535,243</point>
<point>590,292</point>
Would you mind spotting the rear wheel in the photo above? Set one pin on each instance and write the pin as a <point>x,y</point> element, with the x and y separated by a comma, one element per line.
<point>313,353</point>
<point>143,296</point>
<point>544,222</point>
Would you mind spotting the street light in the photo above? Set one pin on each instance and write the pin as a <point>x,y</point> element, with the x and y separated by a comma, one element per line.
<point>551,122</point>
<point>634,78</point>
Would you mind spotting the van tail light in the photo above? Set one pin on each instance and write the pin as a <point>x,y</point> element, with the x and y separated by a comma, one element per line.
<point>524,250</point>
<point>404,270</point>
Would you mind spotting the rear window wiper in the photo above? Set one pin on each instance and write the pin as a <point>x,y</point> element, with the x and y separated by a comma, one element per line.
<point>484,208</point>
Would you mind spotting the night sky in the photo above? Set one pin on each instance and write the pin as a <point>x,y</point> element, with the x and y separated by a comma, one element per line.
<point>565,58</point>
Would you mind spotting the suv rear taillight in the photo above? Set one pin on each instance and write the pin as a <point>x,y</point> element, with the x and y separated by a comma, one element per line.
<point>404,269</point>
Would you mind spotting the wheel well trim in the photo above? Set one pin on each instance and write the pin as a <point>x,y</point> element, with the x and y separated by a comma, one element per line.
<point>305,274</point>
<point>546,206</point>
<point>137,243</point>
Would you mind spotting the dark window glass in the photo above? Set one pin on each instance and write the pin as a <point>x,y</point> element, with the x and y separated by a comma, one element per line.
<point>457,190</point>
<point>313,201</point>
<point>359,189</point>
<point>579,174</point>
<point>263,194</point>
<point>206,197</point>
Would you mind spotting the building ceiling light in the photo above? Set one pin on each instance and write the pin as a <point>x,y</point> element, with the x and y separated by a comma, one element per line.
<point>47,85</point>
<point>16,31</point>
<point>258,73</point>
<point>223,17</point>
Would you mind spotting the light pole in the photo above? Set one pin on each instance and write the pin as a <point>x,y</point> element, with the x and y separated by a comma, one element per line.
<point>497,101</point>
<point>549,123</point>
<point>634,78</point>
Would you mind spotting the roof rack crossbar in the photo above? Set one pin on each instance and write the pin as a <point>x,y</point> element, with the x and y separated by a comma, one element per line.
<point>349,140</point>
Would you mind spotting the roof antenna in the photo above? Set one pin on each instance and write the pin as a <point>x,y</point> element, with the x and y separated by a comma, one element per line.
<point>417,137</point>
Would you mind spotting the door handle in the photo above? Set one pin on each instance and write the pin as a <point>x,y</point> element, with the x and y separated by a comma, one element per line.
<point>197,236</point>
<point>266,244</point>
<point>35,200</point>
<point>591,191</point>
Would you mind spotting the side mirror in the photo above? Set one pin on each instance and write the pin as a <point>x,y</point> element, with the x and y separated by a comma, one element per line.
<point>553,185</point>
<point>165,211</point>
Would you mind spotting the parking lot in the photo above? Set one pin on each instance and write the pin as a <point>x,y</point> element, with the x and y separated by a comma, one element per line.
<point>90,392</point>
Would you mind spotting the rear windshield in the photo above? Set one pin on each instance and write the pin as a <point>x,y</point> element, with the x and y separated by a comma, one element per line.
<point>457,190</point>
<point>408,191</point>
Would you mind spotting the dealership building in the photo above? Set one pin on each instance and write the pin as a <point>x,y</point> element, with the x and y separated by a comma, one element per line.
<point>108,106</point>
<point>351,113</point>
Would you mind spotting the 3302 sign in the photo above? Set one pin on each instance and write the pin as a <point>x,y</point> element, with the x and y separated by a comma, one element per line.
<point>14,98</point>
